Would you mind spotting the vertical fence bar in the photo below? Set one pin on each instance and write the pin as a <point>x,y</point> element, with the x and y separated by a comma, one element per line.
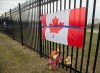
<point>76,59</point>
<point>64,4</point>
<point>6,23</point>
<point>60,5</point>
<point>56,11</point>
<point>63,45</point>
<point>97,50</point>
<point>2,24</point>
<point>82,56</point>
<point>59,51</point>
<point>56,5</point>
<point>40,27</point>
<point>77,47</point>
<point>42,39</point>
<point>91,36</point>
<point>67,45</point>
<point>11,22</point>
<point>50,41</point>
<point>67,53</point>
<point>32,19</point>
<point>35,29</point>
<point>71,59</point>
<point>21,26</point>
<point>53,34</point>
<point>38,32</point>
<point>60,44</point>
<point>47,41</point>
<point>71,49</point>
<point>63,57</point>
<point>33,36</point>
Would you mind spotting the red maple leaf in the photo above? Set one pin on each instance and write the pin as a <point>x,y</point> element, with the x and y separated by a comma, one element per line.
<point>56,26</point>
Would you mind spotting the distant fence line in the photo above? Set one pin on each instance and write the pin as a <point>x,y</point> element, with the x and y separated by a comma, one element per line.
<point>22,24</point>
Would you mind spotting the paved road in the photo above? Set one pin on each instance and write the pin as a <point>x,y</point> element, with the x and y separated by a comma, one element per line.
<point>94,31</point>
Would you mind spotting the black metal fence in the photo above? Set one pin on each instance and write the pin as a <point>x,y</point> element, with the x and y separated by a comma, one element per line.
<point>22,24</point>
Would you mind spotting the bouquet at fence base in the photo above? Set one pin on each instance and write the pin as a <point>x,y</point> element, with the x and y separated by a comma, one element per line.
<point>68,60</point>
<point>54,59</point>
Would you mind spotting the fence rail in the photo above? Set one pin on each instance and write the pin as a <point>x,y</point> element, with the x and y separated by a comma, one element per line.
<point>22,24</point>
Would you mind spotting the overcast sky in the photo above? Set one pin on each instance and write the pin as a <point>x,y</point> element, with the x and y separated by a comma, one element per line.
<point>5,5</point>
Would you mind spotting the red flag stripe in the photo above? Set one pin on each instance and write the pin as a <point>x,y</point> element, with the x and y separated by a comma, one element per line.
<point>75,37</point>
<point>44,20</point>
<point>76,18</point>
<point>43,33</point>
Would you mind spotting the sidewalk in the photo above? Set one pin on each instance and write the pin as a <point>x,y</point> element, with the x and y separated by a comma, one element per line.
<point>15,58</point>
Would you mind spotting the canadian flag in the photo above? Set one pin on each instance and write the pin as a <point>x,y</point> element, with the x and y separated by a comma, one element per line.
<point>65,27</point>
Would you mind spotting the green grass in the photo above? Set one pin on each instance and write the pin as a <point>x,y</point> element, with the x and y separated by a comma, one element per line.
<point>93,51</point>
<point>15,58</point>
<point>92,54</point>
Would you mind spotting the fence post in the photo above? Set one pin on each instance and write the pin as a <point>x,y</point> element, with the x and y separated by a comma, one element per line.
<point>40,29</point>
<point>11,24</point>
<point>21,26</point>
<point>6,23</point>
<point>2,24</point>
